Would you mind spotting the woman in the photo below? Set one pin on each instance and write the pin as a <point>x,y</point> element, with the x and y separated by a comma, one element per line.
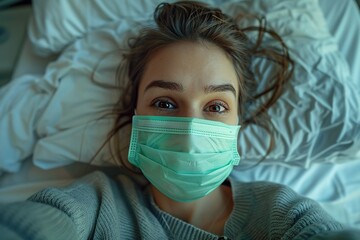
<point>189,83</point>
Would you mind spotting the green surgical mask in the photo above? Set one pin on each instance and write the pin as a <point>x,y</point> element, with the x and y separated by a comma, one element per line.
<point>184,158</point>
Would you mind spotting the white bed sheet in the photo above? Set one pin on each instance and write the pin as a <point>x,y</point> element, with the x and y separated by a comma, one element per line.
<point>29,63</point>
<point>336,187</point>
<point>343,19</point>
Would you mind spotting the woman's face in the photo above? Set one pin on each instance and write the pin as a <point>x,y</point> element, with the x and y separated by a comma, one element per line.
<point>189,79</point>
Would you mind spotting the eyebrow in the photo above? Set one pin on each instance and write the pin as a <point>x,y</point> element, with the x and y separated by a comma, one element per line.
<point>165,85</point>
<point>220,88</point>
<point>179,87</point>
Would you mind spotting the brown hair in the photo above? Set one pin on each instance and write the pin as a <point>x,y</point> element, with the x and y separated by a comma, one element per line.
<point>194,21</point>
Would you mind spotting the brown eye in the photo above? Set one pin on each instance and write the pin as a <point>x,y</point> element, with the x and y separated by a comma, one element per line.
<point>163,104</point>
<point>217,107</point>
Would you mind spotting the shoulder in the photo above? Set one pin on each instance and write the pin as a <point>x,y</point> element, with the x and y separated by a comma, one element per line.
<point>82,189</point>
<point>282,212</point>
<point>277,198</point>
<point>72,208</point>
<point>260,190</point>
<point>88,194</point>
<point>93,200</point>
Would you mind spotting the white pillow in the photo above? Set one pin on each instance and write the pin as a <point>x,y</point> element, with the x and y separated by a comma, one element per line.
<point>56,23</point>
<point>316,120</point>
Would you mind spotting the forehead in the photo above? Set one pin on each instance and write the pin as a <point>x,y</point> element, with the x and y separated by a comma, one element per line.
<point>190,63</point>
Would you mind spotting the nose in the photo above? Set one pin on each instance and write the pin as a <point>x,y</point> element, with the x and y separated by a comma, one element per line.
<point>191,111</point>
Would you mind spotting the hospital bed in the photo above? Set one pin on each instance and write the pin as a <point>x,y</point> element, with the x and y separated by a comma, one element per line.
<point>64,82</point>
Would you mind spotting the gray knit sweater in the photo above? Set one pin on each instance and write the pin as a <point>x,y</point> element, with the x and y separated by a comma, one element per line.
<point>96,207</point>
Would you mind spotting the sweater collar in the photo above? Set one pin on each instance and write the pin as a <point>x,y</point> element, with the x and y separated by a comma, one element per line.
<point>180,229</point>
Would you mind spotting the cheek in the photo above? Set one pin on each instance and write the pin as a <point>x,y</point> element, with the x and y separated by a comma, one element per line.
<point>233,118</point>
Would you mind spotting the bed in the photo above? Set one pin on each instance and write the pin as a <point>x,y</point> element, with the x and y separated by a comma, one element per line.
<point>50,126</point>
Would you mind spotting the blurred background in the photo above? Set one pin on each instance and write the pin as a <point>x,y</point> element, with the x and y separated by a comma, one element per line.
<point>14,17</point>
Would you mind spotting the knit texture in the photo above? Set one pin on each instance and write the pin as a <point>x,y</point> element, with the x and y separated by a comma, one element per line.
<point>96,207</point>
